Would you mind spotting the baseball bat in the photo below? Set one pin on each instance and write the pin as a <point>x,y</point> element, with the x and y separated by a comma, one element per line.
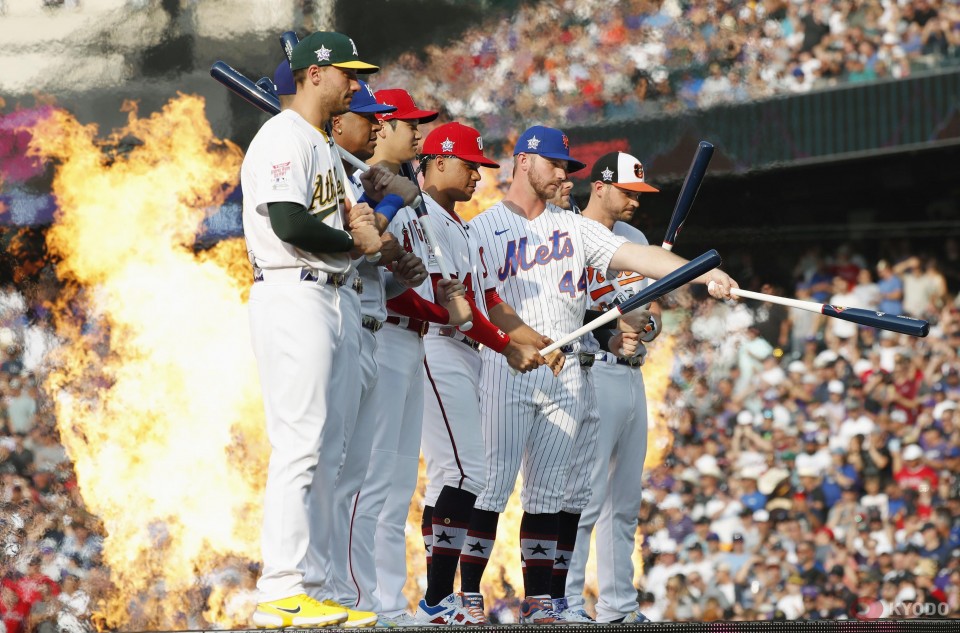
<point>683,275</point>
<point>860,316</point>
<point>688,192</point>
<point>241,86</point>
<point>288,40</point>
<point>266,84</point>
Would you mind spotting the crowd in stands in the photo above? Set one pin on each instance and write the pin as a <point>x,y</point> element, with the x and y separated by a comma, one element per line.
<point>813,471</point>
<point>618,60</point>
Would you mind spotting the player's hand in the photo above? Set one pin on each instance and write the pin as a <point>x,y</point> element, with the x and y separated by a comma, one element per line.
<point>523,357</point>
<point>634,321</point>
<point>378,181</point>
<point>719,284</point>
<point>556,358</point>
<point>450,289</point>
<point>625,344</point>
<point>451,295</point>
<point>360,214</point>
<point>366,240</point>
<point>390,249</point>
<point>409,270</point>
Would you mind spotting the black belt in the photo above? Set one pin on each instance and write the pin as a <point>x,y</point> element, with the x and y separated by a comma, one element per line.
<point>336,280</point>
<point>635,361</point>
<point>414,325</point>
<point>371,323</point>
<point>457,335</point>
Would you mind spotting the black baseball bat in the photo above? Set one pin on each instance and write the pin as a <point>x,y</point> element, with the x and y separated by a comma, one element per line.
<point>860,316</point>
<point>688,192</point>
<point>241,86</point>
<point>683,275</point>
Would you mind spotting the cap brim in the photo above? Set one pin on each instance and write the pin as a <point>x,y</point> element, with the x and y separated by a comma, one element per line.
<point>572,164</point>
<point>635,186</point>
<point>359,66</point>
<point>478,159</point>
<point>374,108</point>
<point>423,116</point>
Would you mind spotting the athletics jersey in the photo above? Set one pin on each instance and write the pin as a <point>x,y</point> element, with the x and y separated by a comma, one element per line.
<point>606,290</point>
<point>454,239</point>
<point>539,266</point>
<point>289,160</point>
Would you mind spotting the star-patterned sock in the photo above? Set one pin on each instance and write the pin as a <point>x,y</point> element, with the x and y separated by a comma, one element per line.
<point>476,550</point>
<point>451,518</point>
<point>566,539</point>
<point>538,547</point>
<point>426,529</point>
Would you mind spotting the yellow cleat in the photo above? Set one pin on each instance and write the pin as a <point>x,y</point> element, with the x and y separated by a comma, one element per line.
<point>298,611</point>
<point>355,619</point>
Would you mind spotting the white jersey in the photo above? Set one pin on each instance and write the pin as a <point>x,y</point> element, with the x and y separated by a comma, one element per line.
<point>373,299</point>
<point>540,266</point>
<point>455,240</point>
<point>606,289</point>
<point>289,160</point>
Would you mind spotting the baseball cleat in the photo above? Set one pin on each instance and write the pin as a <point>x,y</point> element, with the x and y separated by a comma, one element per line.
<point>355,619</point>
<point>538,610</point>
<point>449,612</point>
<point>573,615</point>
<point>634,617</point>
<point>298,611</point>
<point>396,621</point>
<point>473,603</point>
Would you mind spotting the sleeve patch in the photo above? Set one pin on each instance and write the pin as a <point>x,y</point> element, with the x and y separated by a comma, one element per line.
<point>280,176</point>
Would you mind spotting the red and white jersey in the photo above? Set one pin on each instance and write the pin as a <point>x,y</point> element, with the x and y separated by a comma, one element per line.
<point>606,289</point>
<point>454,239</point>
<point>289,160</point>
<point>540,266</point>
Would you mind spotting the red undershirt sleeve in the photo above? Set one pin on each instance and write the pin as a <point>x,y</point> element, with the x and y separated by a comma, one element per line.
<point>410,304</point>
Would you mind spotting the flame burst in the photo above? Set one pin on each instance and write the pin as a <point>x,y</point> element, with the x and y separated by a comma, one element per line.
<point>154,385</point>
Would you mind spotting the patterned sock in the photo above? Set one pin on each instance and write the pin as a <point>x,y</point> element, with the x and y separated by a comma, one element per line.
<point>476,550</point>
<point>426,529</point>
<point>451,518</point>
<point>566,539</point>
<point>538,547</point>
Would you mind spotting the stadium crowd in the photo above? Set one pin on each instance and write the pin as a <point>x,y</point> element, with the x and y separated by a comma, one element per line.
<point>625,59</point>
<point>813,471</point>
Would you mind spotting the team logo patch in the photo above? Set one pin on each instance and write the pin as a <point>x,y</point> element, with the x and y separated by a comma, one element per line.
<point>566,141</point>
<point>607,174</point>
<point>280,176</point>
<point>447,145</point>
<point>369,90</point>
<point>479,143</point>
<point>533,142</point>
<point>638,171</point>
<point>323,53</point>
<point>354,47</point>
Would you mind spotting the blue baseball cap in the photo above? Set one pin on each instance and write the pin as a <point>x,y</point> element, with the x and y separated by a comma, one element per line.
<point>547,142</point>
<point>283,79</point>
<point>365,102</point>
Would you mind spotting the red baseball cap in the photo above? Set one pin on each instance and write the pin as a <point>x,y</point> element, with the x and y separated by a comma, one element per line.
<point>407,110</point>
<point>456,139</point>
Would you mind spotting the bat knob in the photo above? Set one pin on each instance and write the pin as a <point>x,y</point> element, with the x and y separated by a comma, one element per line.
<point>466,326</point>
<point>711,286</point>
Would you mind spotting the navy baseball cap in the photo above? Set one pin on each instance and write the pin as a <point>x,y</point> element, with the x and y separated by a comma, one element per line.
<point>547,142</point>
<point>283,79</point>
<point>364,102</point>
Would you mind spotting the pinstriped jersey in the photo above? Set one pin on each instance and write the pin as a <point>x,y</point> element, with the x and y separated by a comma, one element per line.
<point>373,299</point>
<point>605,288</point>
<point>454,239</point>
<point>540,266</point>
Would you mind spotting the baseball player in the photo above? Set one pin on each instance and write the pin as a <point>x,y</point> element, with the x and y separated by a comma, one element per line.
<point>304,322</point>
<point>376,542</point>
<point>540,254</point>
<point>452,442</point>
<point>356,131</point>
<point>613,475</point>
<point>283,84</point>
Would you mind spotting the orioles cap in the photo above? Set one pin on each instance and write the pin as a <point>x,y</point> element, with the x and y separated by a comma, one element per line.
<point>456,139</point>
<point>621,170</point>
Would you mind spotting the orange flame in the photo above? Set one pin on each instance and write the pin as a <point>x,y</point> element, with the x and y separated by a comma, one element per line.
<point>162,420</point>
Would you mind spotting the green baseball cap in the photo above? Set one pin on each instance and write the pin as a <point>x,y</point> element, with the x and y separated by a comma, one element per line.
<point>326,48</point>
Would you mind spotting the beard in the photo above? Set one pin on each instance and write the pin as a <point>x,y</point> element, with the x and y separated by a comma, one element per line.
<point>542,186</point>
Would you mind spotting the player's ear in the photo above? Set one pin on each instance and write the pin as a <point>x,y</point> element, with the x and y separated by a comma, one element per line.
<point>337,124</point>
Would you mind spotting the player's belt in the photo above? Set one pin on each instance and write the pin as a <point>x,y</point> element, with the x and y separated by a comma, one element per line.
<point>372,324</point>
<point>613,359</point>
<point>414,325</point>
<point>457,335</point>
<point>586,360</point>
<point>308,275</point>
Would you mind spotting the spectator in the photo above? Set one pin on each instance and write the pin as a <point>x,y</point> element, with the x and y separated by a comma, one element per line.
<point>21,408</point>
<point>891,289</point>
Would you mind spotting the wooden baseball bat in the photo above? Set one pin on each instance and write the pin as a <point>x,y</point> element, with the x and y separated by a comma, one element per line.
<point>688,192</point>
<point>860,316</point>
<point>683,275</point>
